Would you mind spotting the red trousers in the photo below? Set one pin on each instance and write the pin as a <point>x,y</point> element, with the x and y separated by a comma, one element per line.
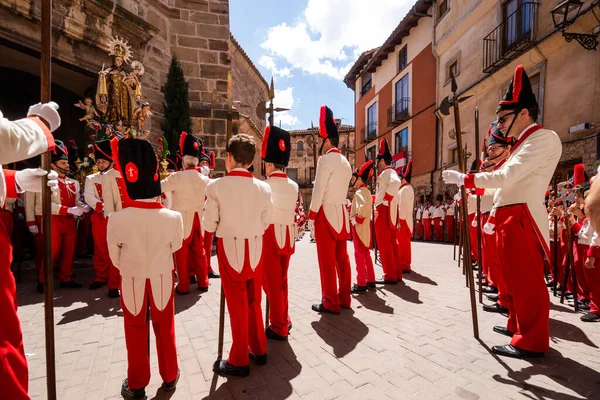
<point>39,244</point>
<point>427,234</point>
<point>6,219</point>
<point>365,271</point>
<point>387,244</point>
<point>243,296</point>
<point>275,281</point>
<point>419,228</point>
<point>104,270</point>
<point>592,276</point>
<point>522,260</point>
<point>579,257</point>
<point>190,259</point>
<point>13,364</point>
<point>64,240</point>
<point>473,238</point>
<point>208,241</point>
<point>492,261</point>
<point>438,227</point>
<point>559,271</point>
<point>403,236</point>
<point>334,266</point>
<point>450,226</point>
<point>137,332</point>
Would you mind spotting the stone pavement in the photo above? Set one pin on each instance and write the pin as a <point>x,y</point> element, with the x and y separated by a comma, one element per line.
<point>402,342</point>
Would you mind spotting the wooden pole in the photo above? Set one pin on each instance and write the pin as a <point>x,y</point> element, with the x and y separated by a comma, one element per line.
<point>45,93</point>
<point>479,238</point>
<point>570,269</point>
<point>555,255</point>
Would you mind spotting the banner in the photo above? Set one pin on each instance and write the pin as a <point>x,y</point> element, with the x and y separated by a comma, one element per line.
<point>399,160</point>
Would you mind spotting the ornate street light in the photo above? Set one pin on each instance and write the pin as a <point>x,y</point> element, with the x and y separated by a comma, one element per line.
<point>565,14</point>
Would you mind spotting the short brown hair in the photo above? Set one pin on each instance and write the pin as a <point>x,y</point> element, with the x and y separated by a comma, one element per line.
<point>242,148</point>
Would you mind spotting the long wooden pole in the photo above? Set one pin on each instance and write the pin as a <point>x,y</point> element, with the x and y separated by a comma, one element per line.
<point>46,83</point>
<point>555,255</point>
<point>479,238</point>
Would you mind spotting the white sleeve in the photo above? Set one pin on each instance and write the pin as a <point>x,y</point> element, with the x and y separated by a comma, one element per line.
<point>321,179</point>
<point>23,139</point>
<point>177,241</point>
<point>89,194</point>
<point>210,217</point>
<point>112,238</point>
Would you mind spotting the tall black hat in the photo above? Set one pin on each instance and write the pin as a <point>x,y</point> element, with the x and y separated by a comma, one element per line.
<point>60,152</point>
<point>276,146</point>
<point>327,126</point>
<point>384,151</point>
<point>496,137</point>
<point>407,172</point>
<point>189,145</point>
<point>103,151</point>
<point>365,171</point>
<point>519,94</point>
<point>209,156</point>
<point>137,162</point>
<point>473,168</point>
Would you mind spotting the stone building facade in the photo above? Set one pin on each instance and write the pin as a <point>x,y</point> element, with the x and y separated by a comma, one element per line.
<point>301,166</point>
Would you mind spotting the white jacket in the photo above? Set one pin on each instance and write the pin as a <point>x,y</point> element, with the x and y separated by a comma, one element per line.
<point>141,243</point>
<point>92,192</point>
<point>524,177</point>
<point>20,140</point>
<point>187,190</point>
<point>406,202</point>
<point>362,212</point>
<point>67,196</point>
<point>238,208</point>
<point>284,192</point>
<point>388,185</point>
<point>330,190</point>
<point>438,211</point>
<point>112,195</point>
<point>451,208</point>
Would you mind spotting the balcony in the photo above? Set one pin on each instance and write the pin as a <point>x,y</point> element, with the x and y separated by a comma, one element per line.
<point>369,132</point>
<point>515,35</point>
<point>398,113</point>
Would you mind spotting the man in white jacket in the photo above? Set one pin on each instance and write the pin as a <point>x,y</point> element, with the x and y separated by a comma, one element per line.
<point>406,202</point>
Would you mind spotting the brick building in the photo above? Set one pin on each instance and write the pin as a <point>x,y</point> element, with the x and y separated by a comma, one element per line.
<point>301,166</point>
<point>394,87</point>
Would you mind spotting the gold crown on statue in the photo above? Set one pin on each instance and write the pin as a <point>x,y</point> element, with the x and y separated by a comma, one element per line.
<point>118,47</point>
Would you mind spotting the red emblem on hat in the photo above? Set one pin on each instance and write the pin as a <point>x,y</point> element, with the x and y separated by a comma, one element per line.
<point>281,145</point>
<point>196,145</point>
<point>131,172</point>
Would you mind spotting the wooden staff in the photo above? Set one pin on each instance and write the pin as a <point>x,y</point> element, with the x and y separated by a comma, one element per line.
<point>459,233</point>
<point>375,247</point>
<point>479,238</point>
<point>445,109</point>
<point>454,236</point>
<point>555,255</point>
<point>570,269</point>
<point>46,83</point>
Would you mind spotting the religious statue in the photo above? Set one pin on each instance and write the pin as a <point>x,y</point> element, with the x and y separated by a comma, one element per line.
<point>90,111</point>
<point>133,83</point>
<point>140,115</point>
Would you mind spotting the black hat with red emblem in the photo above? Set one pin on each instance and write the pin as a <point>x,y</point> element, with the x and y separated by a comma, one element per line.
<point>384,151</point>
<point>102,150</point>
<point>496,137</point>
<point>407,172</point>
<point>276,146</point>
<point>327,126</point>
<point>208,156</point>
<point>189,145</point>
<point>136,161</point>
<point>60,152</point>
<point>365,171</point>
<point>519,94</point>
<point>473,168</point>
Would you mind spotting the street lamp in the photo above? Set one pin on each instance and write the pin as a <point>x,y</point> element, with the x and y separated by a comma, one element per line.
<point>565,14</point>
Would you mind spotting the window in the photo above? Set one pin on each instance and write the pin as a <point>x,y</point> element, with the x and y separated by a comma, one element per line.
<point>312,175</point>
<point>371,130</point>
<point>402,96</point>
<point>442,9</point>
<point>292,173</point>
<point>300,149</point>
<point>519,22</point>
<point>452,67</point>
<point>366,83</point>
<point>453,155</point>
<point>371,153</point>
<point>402,59</point>
<point>401,141</point>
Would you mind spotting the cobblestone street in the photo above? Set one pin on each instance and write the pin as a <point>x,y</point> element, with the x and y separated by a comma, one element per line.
<point>401,342</point>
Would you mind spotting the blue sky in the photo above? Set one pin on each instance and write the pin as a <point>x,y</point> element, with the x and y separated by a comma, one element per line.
<point>309,45</point>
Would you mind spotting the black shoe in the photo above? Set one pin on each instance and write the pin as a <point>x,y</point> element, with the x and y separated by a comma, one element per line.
<point>496,308</point>
<point>406,271</point>
<point>180,293</point>
<point>358,289</point>
<point>385,282</point>
<point>259,359</point>
<point>40,288</point>
<point>213,275</point>
<point>193,279</point>
<point>590,317</point>
<point>222,367</point>
<point>492,297</point>
<point>550,284</point>
<point>272,335</point>
<point>503,331</point>
<point>113,293</point>
<point>490,289</point>
<point>320,308</point>
<point>71,285</point>
<point>170,386</point>
<point>484,283</point>
<point>583,305</point>
<point>132,393</point>
<point>96,285</point>
<point>509,350</point>
<point>568,295</point>
<point>371,285</point>
<point>202,289</point>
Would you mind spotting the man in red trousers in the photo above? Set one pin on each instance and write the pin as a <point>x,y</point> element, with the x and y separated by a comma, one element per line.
<point>519,217</point>
<point>328,218</point>
<point>207,163</point>
<point>406,201</point>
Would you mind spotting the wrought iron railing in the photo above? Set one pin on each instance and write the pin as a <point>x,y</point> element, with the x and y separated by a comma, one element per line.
<point>369,132</point>
<point>512,37</point>
<point>398,112</point>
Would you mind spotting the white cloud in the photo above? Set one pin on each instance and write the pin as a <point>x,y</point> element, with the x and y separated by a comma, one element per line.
<point>269,63</point>
<point>330,34</point>
<point>285,98</point>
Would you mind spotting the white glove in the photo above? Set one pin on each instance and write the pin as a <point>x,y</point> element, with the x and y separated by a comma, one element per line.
<point>30,180</point>
<point>204,170</point>
<point>488,228</point>
<point>311,226</point>
<point>441,223</point>
<point>353,220</point>
<point>474,222</point>
<point>86,208</point>
<point>76,211</point>
<point>453,177</point>
<point>34,229</point>
<point>457,196</point>
<point>48,112</point>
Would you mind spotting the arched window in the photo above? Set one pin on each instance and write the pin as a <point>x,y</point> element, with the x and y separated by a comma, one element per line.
<point>300,149</point>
